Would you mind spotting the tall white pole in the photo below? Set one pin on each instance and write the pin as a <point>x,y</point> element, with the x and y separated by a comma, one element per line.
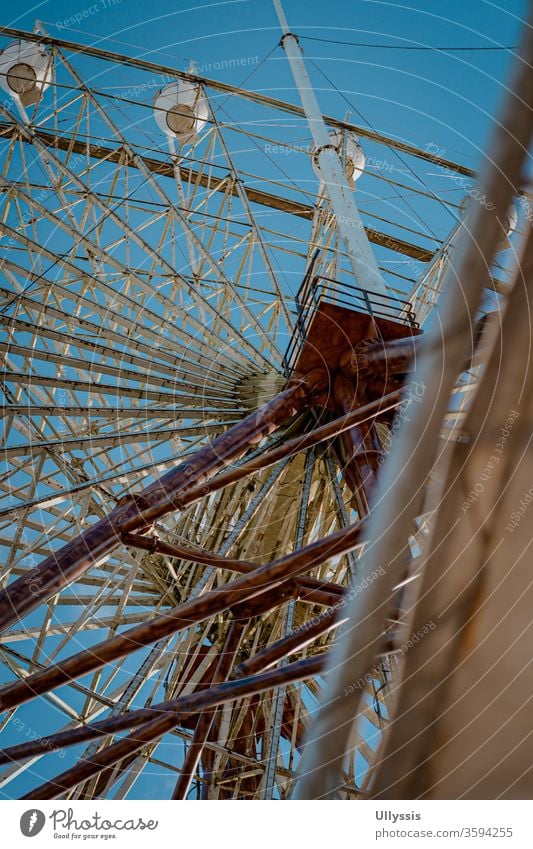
<point>349,224</point>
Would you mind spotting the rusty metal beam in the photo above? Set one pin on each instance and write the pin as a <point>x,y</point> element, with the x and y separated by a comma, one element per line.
<point>182,706</point>
<point>183,616</point>
<point>172,492</point>
<point>313,590</point>
<point>360,444</point>
<point>299,443</point>
<point>381,358</point>
<point>206,718</point>
<point>375,359</point>
<point>293,642</point>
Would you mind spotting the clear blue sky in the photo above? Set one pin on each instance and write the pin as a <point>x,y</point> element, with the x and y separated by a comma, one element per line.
<point>426,97</point>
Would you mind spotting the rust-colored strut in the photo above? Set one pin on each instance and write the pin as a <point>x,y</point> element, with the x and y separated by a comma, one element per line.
<point>176,490</point>
<point>171,713</point>
<point>264,578</point>
<point>206,718</point>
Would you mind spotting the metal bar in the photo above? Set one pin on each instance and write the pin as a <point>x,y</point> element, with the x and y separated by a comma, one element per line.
<point>205,718</point>
<point>292,642</point>
<point>269,777</point>
<point>359,470</point>
<point>374,408</point>
<point>95,367</point>
<point>254,195</point>
<point>348,219</point>
<point>108,412</point>
<point>313,590</point>
<point>156,728</point>
<point>382,358</point>
<point>396,356</point>
<point>132,688</point>
<point>299,443</point>
<point>108,440</point>
<point>250,511</point>
<point>120,58</point>
<point>174,211</point>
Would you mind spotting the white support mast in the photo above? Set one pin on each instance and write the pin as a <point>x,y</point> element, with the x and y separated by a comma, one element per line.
<point>349,222</point>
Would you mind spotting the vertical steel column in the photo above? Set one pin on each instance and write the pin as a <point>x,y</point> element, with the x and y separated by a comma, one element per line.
<point>241,524</point>
<point>351,556</point>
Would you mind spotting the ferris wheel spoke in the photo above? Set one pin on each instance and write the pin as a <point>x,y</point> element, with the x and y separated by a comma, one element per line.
<point>116,297</point>
<point>154,438</point>
<point>206,463</point>
<point>151,729</point>
<point>195,610</point>
<point>146,366</point>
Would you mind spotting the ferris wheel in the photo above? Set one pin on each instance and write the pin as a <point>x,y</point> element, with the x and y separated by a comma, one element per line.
<point>202,374</point>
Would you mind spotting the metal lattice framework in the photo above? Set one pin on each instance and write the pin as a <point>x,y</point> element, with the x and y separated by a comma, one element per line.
<point>148,300</point>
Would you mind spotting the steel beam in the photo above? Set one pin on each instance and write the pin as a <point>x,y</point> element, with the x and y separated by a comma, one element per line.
<point>206,180</point>
<point>348,219</point>
<point>207,718</point>
<point>153,729</point>
<point>253,96</point>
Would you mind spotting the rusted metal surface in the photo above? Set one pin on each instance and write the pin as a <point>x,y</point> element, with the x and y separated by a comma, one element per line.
<point>361,448</point>
<point>334,332</point>
<point>292,643</point>
<point>373,360</point>
<point>182,706</point>
<point>379,358</point>
<point>310,590</point>
<point>384,404</point>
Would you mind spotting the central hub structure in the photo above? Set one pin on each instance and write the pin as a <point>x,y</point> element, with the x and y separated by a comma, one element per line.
<point>366,343</point>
